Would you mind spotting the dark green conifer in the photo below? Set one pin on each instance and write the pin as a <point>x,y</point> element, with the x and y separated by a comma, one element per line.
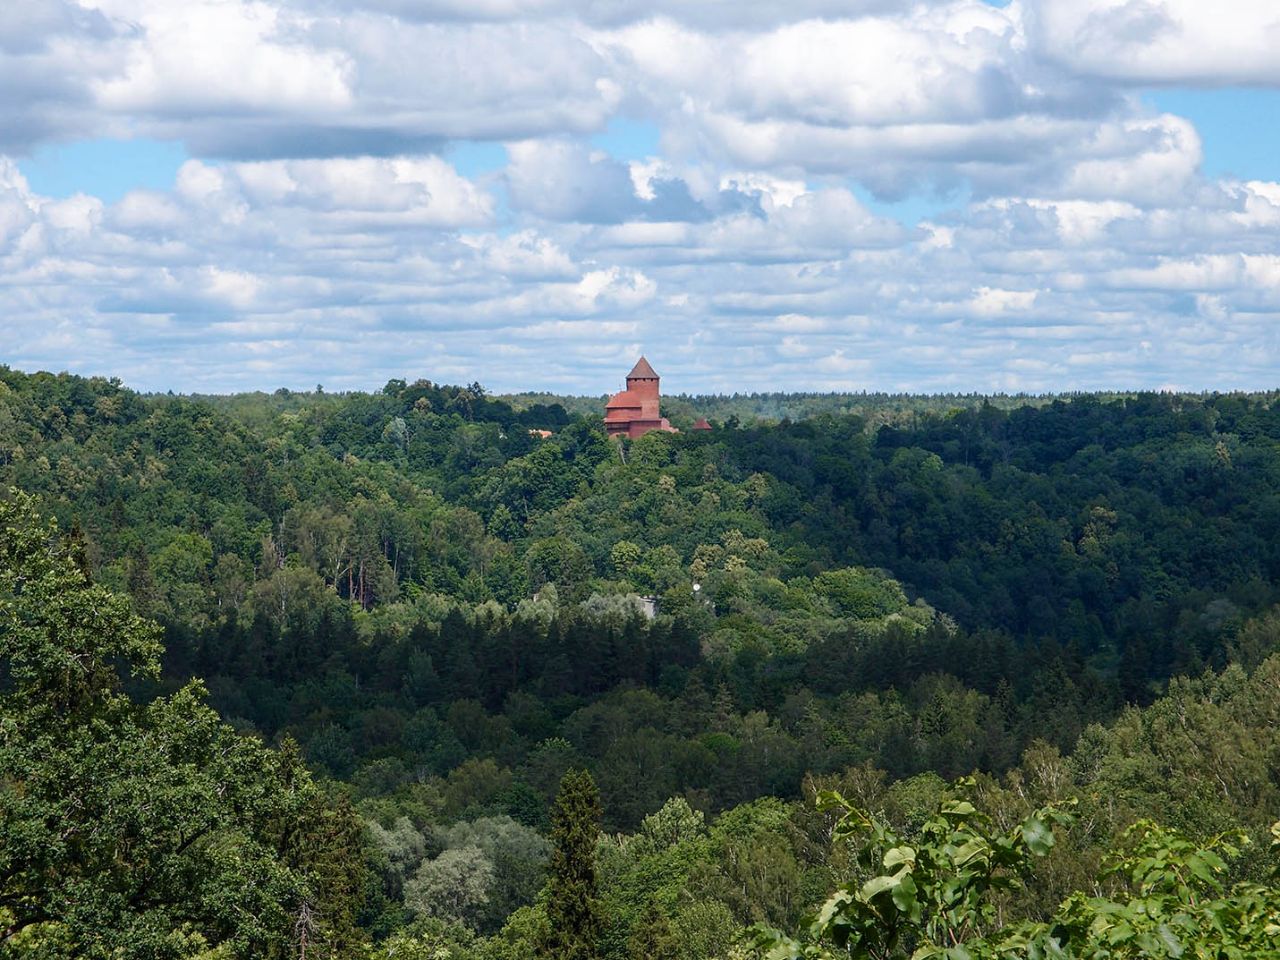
<point>572,911</point>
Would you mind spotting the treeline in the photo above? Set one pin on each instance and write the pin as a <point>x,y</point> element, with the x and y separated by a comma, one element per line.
<point>1072,556</point>
<point>690,887</point>
<point>768,407</point>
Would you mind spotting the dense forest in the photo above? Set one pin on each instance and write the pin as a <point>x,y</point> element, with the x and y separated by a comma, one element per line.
<point>398,675</point>
<point>876,409</point>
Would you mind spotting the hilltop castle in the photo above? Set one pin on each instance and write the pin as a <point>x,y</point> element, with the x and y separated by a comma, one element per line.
<point>634,412</point>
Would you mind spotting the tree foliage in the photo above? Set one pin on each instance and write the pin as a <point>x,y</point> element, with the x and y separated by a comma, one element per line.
<point>573,920</point>
<point>1073,597</point>
<point>135,829</point>
<point>939,897</point>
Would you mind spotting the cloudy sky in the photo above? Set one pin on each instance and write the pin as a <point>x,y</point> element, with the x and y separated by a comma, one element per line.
<point>948,195</point>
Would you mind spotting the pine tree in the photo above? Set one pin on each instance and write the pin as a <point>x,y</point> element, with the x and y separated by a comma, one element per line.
<point>572,910</point>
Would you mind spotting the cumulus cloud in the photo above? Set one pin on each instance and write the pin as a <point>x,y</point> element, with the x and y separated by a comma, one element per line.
<point>258,79</point>
<point>525,255</point>
<point>563,180</point>
<point>50,54</point>
<point>707,14</point>
<point>289,272</point>
<point>1146,161</point>
<point>214,56</point>
<point>929,95</point>
<point>1161,41</point>
<point>368,192</point>
<point>319,233</point>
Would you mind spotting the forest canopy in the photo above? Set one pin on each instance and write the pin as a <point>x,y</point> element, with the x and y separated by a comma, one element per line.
<point>415,619</point>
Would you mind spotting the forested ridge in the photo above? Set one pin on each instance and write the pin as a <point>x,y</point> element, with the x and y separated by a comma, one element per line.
<point>438,611</point>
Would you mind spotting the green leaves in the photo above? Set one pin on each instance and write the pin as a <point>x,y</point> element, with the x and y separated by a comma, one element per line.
<point>904,897</point>
<point>899,855</point>
<point>60,635</point>
<point>1037,835</point>
<point>130,830</point>
<point>933,899</point>
<point>933,896</point>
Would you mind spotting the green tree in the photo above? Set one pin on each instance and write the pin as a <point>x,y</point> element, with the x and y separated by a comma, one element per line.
<point>324,841</point>
<point>518,855</point>
<point>127,829</point>
<point>624,556</point>
<point>1171,903</point>
<point>861,593</point>
<point>182,573</point>
<point>454,886</point>
<point>403,848</point>
<point>653,937</point>
<point>937,896</point>
<point>572,911</point>
<point>941,896</point>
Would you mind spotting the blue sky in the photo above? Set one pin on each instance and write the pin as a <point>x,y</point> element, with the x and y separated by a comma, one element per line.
<point>1240,128</point>
<point>952,195</point>
<point>107,169</point>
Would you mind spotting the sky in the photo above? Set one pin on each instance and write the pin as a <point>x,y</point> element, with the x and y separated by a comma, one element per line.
<point>949,195</point>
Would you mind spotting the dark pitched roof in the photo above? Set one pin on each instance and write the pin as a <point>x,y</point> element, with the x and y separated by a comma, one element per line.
<point>642,371</point>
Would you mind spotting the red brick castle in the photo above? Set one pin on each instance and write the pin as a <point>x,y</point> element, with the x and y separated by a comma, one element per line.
<point>634,411</point>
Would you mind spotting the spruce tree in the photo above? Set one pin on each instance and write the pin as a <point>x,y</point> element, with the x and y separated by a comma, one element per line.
<point>572,911</point>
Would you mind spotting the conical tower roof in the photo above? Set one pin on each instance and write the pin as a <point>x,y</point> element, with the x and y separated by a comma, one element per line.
<point>642,371</point>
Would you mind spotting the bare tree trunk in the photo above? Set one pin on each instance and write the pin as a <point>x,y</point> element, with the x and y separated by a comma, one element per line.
<point>305,928</point>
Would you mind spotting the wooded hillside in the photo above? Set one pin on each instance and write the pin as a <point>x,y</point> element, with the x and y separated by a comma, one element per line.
<point>438,613</point>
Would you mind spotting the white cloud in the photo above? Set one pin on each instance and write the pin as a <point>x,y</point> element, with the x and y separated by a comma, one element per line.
<point>236,288</point>
<point>1144,161</point>
<point>220,56</point>
<point>992,301</point>
<point>823,224</point>
<point>198,181</point>
<point>146,210</point>
<point>928,94</point>
<point>1261,204</point>
<point>943,64</point>
<point>706,14</point>
<point>370,191</point>
<point>780,192</point>
<point>1210,272</point>
<point>77,215</point>
<point>615,286</point>
<point>563,180</point>
<point>258,79</point>
<point>526,255</point>
<point>1161,41</point>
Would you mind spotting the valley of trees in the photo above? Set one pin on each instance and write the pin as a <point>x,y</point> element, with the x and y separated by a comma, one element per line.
<point>390,675</point>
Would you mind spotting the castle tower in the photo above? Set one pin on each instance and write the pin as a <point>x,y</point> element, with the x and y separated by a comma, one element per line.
<point>643,380</point>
